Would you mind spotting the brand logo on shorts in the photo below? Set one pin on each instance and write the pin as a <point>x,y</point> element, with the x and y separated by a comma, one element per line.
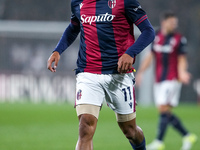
<point>112,3</point>
<point>79,94</point>
<point>131,105</point>
<point>133,80</point>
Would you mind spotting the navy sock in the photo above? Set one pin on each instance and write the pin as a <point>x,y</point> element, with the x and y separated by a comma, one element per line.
<point>162,126</point>
<point>141,146</point>
<point>176,123</point>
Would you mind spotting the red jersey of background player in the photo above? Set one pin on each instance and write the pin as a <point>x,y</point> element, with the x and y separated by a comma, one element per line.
<point>166,50</point>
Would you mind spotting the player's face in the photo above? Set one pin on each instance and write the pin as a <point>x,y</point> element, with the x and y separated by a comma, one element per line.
<point>170,24</point>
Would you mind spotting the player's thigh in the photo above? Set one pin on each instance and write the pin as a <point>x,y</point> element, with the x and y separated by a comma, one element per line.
<point>160,96</point>
<point>174,101</point>
<point>120,95</point>
<point>89,94</point>
<point>123,118</point>
<point>87,109</point>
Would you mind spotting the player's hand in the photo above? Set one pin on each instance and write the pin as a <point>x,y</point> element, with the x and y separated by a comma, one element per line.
<point>184,77</point>
<point>125,63</point>
<point>55,57</point>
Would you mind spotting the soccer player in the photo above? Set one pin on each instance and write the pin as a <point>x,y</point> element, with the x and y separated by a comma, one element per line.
<point>171,70</point>
<point>104,66</point>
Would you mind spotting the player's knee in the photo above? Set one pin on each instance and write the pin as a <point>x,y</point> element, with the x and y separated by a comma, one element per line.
<point>87,126</point>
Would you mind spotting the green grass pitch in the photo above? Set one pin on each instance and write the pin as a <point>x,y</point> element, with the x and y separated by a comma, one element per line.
<point>55,127</point>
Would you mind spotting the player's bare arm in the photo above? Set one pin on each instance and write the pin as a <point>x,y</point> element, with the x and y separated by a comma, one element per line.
<point>183,75</point>
<point>54,58</point>
<point>144,65</point>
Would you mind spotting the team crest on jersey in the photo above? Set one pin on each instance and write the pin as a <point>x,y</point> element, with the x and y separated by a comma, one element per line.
<point>112,3</point>
<point>79,94</point>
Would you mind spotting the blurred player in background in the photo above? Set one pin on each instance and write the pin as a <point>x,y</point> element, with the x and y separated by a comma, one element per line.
<point>171,70</point>
<point>105,59</point>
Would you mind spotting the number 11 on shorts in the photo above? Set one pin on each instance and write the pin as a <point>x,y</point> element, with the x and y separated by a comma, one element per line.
<point>125,93</point>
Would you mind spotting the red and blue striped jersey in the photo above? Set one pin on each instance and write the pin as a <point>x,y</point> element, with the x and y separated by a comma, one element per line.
<point>106,28</point>
<point>166,50</point>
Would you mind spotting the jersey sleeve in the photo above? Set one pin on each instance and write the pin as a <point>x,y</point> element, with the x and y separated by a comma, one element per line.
<point>182,46</point>
<point>134,12</point>
<point>146,37</point>
<point>74,20</point>
<point>69,35</point>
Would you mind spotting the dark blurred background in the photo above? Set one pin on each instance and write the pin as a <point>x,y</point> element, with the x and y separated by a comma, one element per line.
<point>30,29</point>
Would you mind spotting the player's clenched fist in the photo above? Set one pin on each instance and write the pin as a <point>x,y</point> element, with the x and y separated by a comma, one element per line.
<point>55,57</point>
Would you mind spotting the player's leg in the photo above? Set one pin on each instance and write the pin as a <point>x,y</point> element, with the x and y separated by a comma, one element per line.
<point>170,118</point>
<point>174,120</point>
<point>157,144</point>
<point>88,117</point>
<point>177,124</point>
<point>171,91</point>
<point>188,138</point>
<point>121,98</point>
<point>164,120</point>
<point>161,95</point>
<point>88,102</point>
<point>166,97</point>
<point>132,132</point>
